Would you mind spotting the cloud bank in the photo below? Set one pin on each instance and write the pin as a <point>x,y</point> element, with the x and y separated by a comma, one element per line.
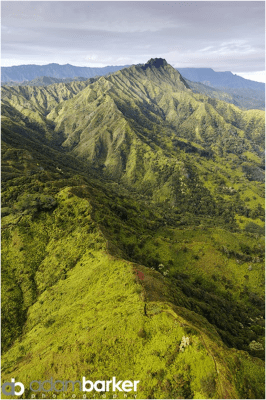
<point>222,35</point>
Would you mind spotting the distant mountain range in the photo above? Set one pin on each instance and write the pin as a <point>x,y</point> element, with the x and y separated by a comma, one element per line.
<point>22,73</point>
<point>241,97</point>
<point>220,80</point>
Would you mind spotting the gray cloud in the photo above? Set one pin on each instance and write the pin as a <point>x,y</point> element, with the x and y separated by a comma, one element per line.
<point>222,35</point>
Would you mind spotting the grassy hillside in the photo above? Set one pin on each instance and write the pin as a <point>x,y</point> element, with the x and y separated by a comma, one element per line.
<point>42,99</point>
<point>133,237</point>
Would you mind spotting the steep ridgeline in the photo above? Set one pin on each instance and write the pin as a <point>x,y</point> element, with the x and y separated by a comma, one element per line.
<point>42,99</point>
<point>29,105</point>
<point>132,236</point>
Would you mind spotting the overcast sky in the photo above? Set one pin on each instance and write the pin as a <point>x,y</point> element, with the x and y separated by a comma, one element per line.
<point>223,35</point>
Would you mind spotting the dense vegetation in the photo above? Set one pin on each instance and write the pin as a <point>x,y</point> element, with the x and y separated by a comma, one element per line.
<point>132,219</point>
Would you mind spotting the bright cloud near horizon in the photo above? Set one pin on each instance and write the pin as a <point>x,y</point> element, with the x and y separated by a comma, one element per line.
<point>222,35</point>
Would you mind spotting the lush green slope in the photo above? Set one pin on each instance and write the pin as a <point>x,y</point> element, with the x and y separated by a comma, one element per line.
<point>133,175</point>
<point>42,99</point>
<point>86,312</point>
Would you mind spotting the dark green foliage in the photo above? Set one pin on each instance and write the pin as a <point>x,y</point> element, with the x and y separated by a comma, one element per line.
<point>142,333</point>
<point>34,203</point>
<point>254,228</point>
<point>12,317</point>
<point>252,384</point>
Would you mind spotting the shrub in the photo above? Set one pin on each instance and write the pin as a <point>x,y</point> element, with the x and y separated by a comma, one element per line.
<point>35,202</point>
<point>142,333</point>
<point>208,385</point>
<point>255,346</point>
<point>251,227</point>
